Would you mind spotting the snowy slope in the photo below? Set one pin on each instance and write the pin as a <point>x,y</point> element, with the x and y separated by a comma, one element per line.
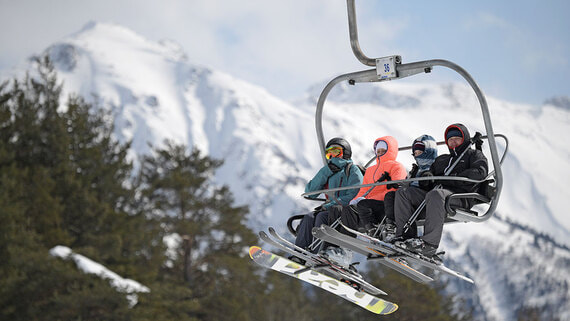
<point>270,150</point>
<point>131,287</point>
<point>155,94</point>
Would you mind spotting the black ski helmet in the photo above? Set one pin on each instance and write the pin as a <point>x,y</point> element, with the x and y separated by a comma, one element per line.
<point>346,150</point>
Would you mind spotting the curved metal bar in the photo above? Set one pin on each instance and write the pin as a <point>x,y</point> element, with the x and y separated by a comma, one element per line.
<point>476,196</point>
<point>353,32</point>
<point>463,216</point>
<point>290,223</point>
<point>407,180</point>
<point>486,119</point>
<point>483,137</point>
<point>365,74</point>
<point>506,146</point>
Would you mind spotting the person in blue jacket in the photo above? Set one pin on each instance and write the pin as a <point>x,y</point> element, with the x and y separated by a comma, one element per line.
<point>338,172</point>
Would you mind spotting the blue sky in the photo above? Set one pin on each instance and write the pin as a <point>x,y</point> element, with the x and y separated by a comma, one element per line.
<point>516,50</point>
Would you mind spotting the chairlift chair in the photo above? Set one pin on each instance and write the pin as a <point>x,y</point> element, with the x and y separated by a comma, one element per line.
<point>391,68</point>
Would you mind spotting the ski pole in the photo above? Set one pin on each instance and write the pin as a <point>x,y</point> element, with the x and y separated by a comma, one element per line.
<point>420,208</point>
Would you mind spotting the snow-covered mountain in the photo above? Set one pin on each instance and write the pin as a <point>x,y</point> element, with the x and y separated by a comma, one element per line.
<point>520,258</point>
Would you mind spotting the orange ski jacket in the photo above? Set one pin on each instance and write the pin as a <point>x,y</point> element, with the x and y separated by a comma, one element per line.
<point>384,163</point>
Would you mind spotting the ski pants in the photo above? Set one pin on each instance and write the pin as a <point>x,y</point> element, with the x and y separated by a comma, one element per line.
<point>366,211</point>
<point>409,198</point>
<point>389,211</point>
<point>304,230</point>
<point>389,200</point>
<point>369,211</point>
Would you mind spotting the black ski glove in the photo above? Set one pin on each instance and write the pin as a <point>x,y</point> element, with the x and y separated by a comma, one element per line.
<point>414,170</point>
<point>318,209</point>
<point>477,140</point>
<point>390,186</point>
<point>426,185</point>
<point>384,177</point>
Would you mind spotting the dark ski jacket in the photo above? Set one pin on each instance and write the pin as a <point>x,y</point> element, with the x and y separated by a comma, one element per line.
<point>473,165</point>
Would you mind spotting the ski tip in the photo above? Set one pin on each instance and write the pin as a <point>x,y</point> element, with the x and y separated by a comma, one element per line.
<point>253,250</point>
<point>389,308</point>
<point>381,307</point>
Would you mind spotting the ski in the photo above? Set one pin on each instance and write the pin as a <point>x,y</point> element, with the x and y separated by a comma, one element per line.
<point>373,252</point>
<point>319,263</point>
<point>319,258</point>
<point>411,256</point>
<point>341,289</point>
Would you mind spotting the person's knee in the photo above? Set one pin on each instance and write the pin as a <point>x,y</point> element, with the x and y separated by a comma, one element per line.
<point>401,196</point>
<point>321,219</point>
<point>400,192</point>
<point>435,195</point>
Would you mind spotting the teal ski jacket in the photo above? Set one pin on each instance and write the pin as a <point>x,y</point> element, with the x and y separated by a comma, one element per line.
<point>325,178</point>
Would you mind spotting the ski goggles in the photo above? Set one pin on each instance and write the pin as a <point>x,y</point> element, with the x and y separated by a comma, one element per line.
<point>333,151</point>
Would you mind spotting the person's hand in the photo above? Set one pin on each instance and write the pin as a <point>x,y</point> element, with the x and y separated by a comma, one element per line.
<point>385,177</point>
<point>427,183</point>
<point>392,186</point>
<point>414,170</point>
<point>477,140</point>
<point>355,201</point>
<point>335,169</point>
<point>318,209</point>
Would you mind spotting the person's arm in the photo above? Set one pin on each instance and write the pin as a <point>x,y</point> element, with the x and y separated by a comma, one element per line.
<point>433,169</point>
<point>319,181</point>
<point>478,169</point>
<point>414,171</point>
<point>398,172</point>
<point>355,178</point>
<point>368,177</point>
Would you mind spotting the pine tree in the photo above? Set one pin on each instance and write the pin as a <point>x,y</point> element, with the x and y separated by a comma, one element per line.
<point>416,301</point>
<point>212,253</point>
<point>58,166</point>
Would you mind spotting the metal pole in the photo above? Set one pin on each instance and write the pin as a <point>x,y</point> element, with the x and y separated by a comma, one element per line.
<point>353,32</point>
<point>363,75</point>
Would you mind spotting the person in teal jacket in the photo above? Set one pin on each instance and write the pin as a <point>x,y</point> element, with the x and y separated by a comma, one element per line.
<point>338,172</point>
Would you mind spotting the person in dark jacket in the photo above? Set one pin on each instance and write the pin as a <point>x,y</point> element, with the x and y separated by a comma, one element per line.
<point>424,150</point>
<point>472,164</point>
<point>338,172</point>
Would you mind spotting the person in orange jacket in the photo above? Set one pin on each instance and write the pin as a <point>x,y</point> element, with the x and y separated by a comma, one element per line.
<point>367,207</point>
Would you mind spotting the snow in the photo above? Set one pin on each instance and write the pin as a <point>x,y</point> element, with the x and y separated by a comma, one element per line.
<point>506,276</point>
<point>89,266</point>
<point>270,147</point>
